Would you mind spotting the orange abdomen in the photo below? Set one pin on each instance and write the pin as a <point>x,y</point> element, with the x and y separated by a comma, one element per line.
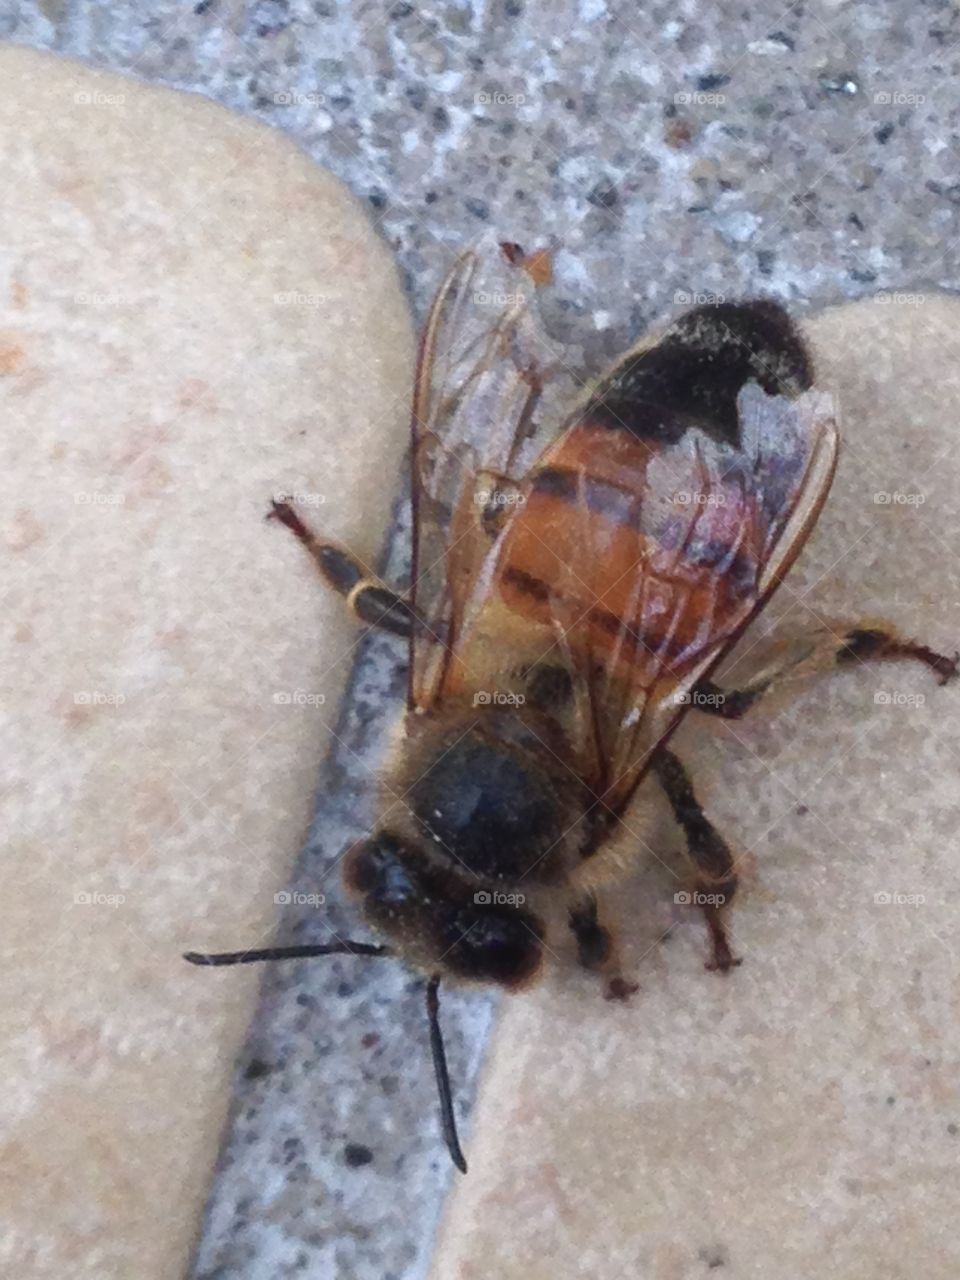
<point>630,547</point>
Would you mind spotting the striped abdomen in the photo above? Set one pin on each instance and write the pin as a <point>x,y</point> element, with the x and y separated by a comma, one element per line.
<point>641,549</point>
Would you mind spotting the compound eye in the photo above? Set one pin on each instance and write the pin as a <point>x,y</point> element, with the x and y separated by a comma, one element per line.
<point>495,944</point>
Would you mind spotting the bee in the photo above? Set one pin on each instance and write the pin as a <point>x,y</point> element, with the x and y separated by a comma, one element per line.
<point>577,574</point>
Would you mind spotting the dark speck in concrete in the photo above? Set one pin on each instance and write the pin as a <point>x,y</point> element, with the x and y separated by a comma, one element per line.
<point>603,195</point>
<point>765,260</point>
<point>355,1154</point>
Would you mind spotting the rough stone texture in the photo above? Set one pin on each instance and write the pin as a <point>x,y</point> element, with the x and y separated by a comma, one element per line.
<point>177,342</point>
<point>808,151</point>
<point>800,1116</point>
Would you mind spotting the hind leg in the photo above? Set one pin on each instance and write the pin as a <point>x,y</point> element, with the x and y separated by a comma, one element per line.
<point>823,650</point>
<point>716,878</point>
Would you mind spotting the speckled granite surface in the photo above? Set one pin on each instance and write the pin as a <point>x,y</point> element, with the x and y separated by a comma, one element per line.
<point>808,151</point>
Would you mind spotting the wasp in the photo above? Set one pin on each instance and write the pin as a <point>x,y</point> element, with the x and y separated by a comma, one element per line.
<point>577,574</point>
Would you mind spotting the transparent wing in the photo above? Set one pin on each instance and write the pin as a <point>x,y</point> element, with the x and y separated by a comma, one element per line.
<point>476,425</point>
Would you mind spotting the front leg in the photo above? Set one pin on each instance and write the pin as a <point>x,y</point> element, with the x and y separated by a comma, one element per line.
<point>370,600</point>
<point>716,879</point>
<point>824,650</point>
<point>597,949</point>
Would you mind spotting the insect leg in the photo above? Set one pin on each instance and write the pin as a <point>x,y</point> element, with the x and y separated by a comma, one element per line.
<point>827,648</point>
<point>597,949</point>
<point>373,603</point>
<point>716,881</point>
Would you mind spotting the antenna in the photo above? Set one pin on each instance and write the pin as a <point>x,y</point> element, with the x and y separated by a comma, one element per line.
<point>447,1118</point>
<point>348,947</point>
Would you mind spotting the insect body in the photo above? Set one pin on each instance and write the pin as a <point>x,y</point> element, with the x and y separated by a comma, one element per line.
<point>576,577</point>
